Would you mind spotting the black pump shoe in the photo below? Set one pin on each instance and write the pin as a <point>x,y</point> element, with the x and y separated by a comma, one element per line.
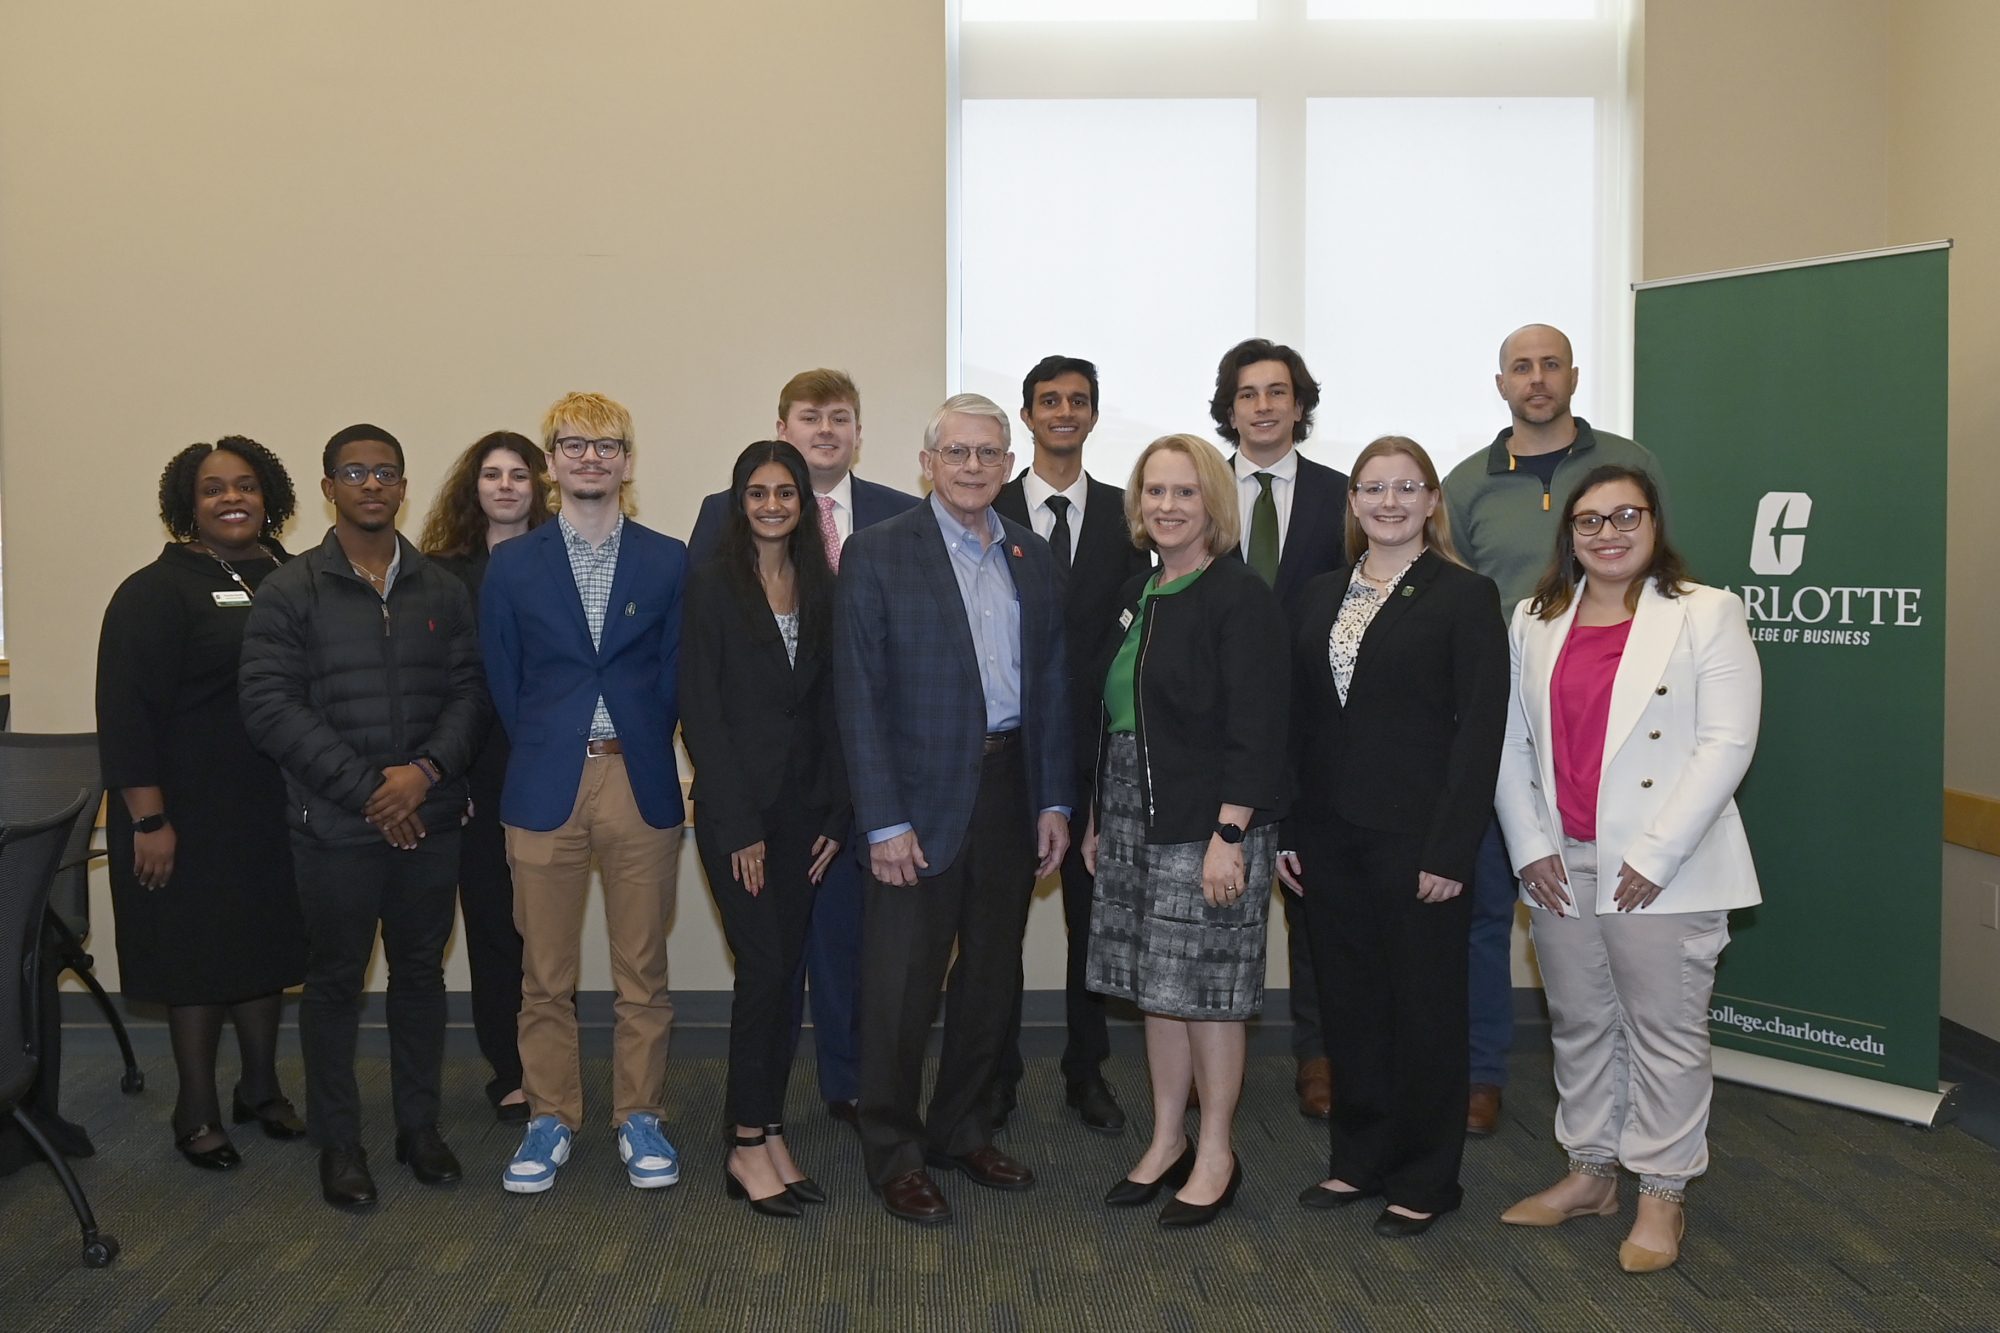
<point>1394,1226</point>
<point>782,1204</point>
<point>805,1189</point>
<point>278,1118</point>
<point>1321,1198</point>
<point>222,1157</point>
<point>1130,1193</point>
<point>1178,1214</point>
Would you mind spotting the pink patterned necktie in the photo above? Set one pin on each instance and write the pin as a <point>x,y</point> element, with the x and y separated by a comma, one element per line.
<point>828,533</point>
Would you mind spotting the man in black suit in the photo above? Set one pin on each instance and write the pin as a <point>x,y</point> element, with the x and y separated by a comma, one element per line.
<point>1083,521</point>
<point>1293,529</point>
<point>819,413</point>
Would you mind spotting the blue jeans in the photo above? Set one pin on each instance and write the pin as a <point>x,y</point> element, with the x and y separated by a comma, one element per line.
<point>1489,964</point>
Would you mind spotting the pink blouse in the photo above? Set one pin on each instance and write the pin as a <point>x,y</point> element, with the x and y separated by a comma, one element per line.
<point>1579,709</point>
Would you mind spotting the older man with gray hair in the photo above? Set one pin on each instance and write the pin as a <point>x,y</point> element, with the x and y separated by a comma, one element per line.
<point>949,672</point>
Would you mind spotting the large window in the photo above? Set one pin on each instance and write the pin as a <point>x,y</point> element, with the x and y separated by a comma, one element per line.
<point>1388,185</point>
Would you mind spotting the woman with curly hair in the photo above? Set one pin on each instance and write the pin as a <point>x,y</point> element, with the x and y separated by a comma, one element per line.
<point>497,489</point>
<point>201,867</point>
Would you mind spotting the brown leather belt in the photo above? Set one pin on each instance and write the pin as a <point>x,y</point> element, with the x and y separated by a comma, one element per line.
<point>597,749</point>
<point>996,741</point>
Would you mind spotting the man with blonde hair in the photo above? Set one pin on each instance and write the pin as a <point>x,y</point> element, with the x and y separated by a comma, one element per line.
<point>819,412</point>
<point>954,712</point>
<point>580,629</point>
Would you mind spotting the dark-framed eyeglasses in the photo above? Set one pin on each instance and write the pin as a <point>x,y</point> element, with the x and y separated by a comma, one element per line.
<point>1625,518</point>
<point>575,446</point>
<point>357,474</point>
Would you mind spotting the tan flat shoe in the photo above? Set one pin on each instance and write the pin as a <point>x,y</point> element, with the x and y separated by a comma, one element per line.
<point>1532,1212</point>
<point>1638,1259</point>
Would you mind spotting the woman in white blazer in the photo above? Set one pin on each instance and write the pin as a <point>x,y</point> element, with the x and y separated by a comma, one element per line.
<point>1634,716</point>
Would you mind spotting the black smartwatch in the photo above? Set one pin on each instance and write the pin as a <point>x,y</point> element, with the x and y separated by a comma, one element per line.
<point>152,823</point>
<point>1229,833</point>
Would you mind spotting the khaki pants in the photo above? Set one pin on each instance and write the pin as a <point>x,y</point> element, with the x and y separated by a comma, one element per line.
<point>640,864</point>
<point>1628,1000</point>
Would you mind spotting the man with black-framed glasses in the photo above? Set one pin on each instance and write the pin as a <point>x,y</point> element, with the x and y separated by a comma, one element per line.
<point>1503,503</point>
<point>580,624</point>
<point>360,676</point>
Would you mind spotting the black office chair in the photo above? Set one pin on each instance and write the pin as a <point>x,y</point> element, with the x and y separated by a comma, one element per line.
<point>30,851</point>
<point>69,760</point>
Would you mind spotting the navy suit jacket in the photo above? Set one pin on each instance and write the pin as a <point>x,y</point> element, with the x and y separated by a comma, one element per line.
<point>1316,537</point>
<point>912,710</point>
<point>546,678</point>
<point>873,502</point>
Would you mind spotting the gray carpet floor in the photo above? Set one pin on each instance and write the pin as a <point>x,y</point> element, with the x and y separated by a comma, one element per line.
<point>1810,1218</point>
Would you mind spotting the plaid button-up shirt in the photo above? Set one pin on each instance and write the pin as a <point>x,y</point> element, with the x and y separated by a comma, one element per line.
<point>592,567</point>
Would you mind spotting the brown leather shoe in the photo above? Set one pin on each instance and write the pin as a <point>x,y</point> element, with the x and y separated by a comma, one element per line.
<point>986,1166</point>
<point>1315,1085</point>
<point>1482,1110</point>
<point>914,1197</point>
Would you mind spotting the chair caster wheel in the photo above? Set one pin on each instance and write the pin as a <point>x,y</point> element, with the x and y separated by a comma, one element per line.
<point>100,1252</point>
<point>132,1081</point>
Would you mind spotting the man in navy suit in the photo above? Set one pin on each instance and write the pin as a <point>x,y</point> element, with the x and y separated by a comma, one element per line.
<point>1294,511</point>
<point>1083,521</point>
<point>819,411</point>
<point>949,669</point>
<point>580,628</point>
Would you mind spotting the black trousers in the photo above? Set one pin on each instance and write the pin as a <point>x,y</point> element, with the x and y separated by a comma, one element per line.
<point>344,892</point>
<point>1305,993</point>
<point>1394,970</point>
<point>767,933</point>
<point>492,944</point>
<point>1089,1043</point>
<point>979,901</point>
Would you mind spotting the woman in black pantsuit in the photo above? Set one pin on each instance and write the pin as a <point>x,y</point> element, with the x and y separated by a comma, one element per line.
<point>497,489</point>
<point>1400,698</point>
<point>770,792</point>
<point>206,907</point>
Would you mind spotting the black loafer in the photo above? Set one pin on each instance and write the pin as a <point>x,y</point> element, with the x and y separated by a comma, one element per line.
<point>222,1157</point>
<point>430,1158</point>
<point>1320,1197</point>
<point>1096,1106</point>
<point>1395,1226</point>
<point>278,1118</point>
<point>344,1181</point>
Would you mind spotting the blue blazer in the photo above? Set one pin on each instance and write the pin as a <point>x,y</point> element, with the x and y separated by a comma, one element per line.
<point>546,678</point>
<point>873,502</point>
<point>912,711</point>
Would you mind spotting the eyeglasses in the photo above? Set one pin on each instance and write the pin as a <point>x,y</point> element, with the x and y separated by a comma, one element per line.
<point>958,455</point>
<point>357,474</point>
<point>1625,519</point>
<point>1374,492</point>
<point>573,446</point>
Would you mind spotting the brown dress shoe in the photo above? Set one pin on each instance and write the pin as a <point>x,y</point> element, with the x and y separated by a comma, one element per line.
<point>1482,1110</point>
<point>986,1166</point>
<point>914,1197</point>
<point>1315,1085</point>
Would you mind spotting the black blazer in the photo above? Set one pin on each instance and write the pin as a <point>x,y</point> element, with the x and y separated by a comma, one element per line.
<point>1416,749</point>
<point>752,721</point>
<point>1211,721</point>
<point>1316,537</point>
<point>1102,560</point>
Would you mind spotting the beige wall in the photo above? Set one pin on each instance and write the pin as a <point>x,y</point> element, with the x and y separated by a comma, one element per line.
<point>1777,129</point>
<point>282,218</point>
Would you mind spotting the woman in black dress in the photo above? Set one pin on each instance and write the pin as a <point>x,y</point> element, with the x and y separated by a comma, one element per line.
<point>201,869</point>
<point>770,791</point>
<point>497,489</point>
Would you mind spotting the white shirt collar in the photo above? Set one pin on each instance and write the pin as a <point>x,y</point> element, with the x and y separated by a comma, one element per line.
<point>843,492</point>
<point>1285,469</point>
<point>1037,492</point>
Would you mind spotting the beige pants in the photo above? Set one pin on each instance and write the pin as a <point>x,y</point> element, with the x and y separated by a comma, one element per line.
<point>640,864</point>
<point>1628,999</point>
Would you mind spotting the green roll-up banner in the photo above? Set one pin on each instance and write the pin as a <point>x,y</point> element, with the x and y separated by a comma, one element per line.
<point>1799,414</point>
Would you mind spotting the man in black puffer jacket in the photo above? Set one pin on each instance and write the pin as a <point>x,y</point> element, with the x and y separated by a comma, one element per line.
<point>361,678</point>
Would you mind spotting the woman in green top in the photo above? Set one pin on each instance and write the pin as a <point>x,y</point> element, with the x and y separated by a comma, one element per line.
<point>1192,776</point>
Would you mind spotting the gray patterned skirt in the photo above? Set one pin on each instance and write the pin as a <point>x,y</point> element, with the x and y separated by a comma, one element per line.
<point>1154,940</point>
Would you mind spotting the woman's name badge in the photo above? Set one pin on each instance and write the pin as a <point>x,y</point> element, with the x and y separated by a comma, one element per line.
<point>1124,618</point>
<point>231,597</point>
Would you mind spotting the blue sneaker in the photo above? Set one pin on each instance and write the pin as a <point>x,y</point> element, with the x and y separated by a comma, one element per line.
<point>650,1161</point>
<point>544,1148</point>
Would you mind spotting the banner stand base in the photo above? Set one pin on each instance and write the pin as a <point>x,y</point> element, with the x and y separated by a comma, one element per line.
<point>1912,1106</point>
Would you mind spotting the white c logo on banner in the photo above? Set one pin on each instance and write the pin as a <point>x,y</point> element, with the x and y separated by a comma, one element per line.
<point>1778,542</point>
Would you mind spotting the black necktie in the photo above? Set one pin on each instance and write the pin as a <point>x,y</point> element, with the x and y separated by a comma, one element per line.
<point>1059,536</point>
